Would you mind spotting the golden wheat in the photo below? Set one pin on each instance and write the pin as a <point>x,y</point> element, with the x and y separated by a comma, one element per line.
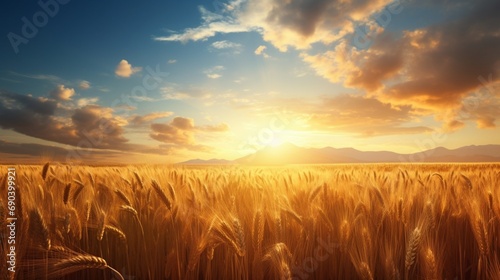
<point>383,221</point>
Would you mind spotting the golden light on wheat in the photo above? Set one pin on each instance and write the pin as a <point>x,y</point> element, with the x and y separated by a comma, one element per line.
<point>383,221</point>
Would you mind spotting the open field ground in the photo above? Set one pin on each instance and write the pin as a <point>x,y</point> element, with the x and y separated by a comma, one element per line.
<point>383,221</point>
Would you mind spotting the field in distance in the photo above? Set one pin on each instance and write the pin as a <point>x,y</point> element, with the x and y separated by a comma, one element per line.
<point>362,221</point>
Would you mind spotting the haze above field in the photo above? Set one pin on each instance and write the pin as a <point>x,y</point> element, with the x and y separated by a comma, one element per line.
<point>169,81</point>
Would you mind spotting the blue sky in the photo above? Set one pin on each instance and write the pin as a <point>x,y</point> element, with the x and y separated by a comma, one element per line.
<point>236,76</point>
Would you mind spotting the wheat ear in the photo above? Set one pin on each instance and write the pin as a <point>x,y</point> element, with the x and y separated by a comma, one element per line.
<point>38,229</point>
<point>163,197</point>
<point>78,263</point>
<point>411,249</point>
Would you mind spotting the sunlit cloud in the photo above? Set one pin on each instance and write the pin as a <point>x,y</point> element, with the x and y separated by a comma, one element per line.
<point>62,93</point>
<point>177,92</point>
<point>261,51</point>
<point>140,120</point>
<point>87,101</point>
<point>125,69</point>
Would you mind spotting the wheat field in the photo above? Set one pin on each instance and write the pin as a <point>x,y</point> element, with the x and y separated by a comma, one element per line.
<point>380,221</point>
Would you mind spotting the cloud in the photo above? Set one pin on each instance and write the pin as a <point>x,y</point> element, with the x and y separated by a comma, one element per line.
<point>434,68</point>
<point>294,23</point>
<point>180,133</point>
<point>225,45</point>
<point>261,51</point>
<point>212,24</point>
<point>12,102</point>
<point>62,93</point>
<point>39,118</point>
<point>214,72</point>
<point>86,101</point>
<point>364,116</point>
<point>177,92</point>
<point>43,77</point>
<point>443,63</point>
<point>140,120</point>
<point>213,75</point>
<point>84,85</point>
<point>33,117</point>
<point>215,128</point>
<point>172,61</point>
<point>35,153</point>
<point>125,69</point>
<point>94,131</point>
<point>352,114</point>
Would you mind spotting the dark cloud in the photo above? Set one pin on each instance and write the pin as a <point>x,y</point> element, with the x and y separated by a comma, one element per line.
<point>433,68</point>
<point>91,126</point>
<point>98,123</point>
<point>36,150</point>
<point>33,117</point>
<point>12,101</point>
<point>300,23</point>
<point>180,133</point>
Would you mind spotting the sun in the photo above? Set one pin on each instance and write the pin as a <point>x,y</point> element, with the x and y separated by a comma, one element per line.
<point>275,142</point>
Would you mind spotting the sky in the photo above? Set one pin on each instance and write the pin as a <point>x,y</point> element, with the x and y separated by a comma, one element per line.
<point>167,81</point>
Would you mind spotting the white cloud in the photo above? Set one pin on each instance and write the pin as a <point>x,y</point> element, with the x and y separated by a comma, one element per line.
<point>125,69</point>
<point>212,24</point>
<point>176,96</point>
<point>214,72</point>
<point>214,76</point>
<point>84,85</point>
<point>176,92</point>
<point>225,45</point>
<point>172,61</point>
<point>62,93</point>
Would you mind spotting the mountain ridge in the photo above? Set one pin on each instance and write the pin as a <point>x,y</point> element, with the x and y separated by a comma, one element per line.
<point>288,153</point>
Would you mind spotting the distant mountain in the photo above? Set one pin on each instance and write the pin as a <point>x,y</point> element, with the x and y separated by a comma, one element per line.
<point>213,161</point>
<point>288,153</point>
